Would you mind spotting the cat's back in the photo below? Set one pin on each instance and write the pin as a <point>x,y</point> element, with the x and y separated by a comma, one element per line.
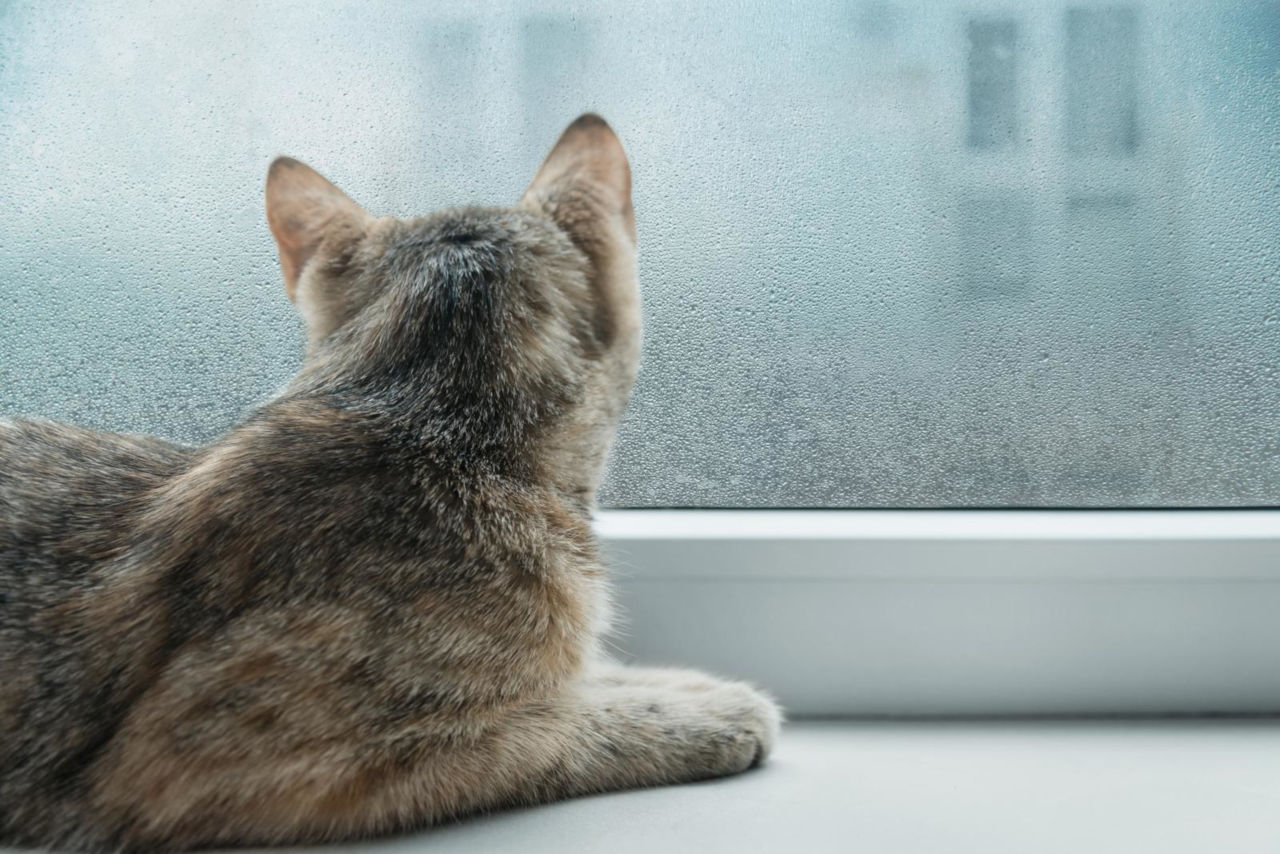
<point>67,498</point>
<point>66,495</point>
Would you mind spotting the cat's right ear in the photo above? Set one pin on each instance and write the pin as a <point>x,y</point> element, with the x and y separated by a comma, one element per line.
<point>584,185</point>
<point>303,209</point>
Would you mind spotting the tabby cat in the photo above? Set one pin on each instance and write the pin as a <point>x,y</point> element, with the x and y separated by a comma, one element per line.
<point>377,602</point>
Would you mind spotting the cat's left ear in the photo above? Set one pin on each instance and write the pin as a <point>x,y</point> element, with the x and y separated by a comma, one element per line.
<point>303,209</point>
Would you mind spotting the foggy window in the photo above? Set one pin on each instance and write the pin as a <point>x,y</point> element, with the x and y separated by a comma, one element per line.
<point>449,60</point>
<point>553,72</point>
<point>1101,260</point>
<point>855,294</point>
<point>1102,97</point>
<point>995,243</point>
<point>993,82</point>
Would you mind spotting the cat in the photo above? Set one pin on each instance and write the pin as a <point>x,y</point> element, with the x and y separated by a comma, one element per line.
<point>377,602</point>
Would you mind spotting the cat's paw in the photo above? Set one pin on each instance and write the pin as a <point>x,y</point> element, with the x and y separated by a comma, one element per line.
<point>741,726</point>
<point>704,726</point>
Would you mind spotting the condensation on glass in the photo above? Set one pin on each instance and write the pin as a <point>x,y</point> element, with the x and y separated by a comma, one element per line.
<point>893,254</point>
<point>1102,85</point>
<point>992,67</point>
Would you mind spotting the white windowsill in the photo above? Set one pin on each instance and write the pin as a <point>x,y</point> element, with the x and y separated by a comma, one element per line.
<point>961,612</point>
<point>693,524</point>
<point>921,788</point>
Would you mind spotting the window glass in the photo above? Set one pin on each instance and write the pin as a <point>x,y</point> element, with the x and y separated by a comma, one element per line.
<point>909,254</point>
<point>1102,94</point>
<point>993,82</point>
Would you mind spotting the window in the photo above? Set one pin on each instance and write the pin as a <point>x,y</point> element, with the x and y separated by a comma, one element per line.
<point>554,72</point>
<point>836,204</point>
<point>993,83</point>
<point>995,244</point>
<point>448,74</point>
<point>1102,97</point>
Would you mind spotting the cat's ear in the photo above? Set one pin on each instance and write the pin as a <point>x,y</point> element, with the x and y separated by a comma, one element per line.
<point>303,208</point>
<point>584,186</point>
<point>585,183</point>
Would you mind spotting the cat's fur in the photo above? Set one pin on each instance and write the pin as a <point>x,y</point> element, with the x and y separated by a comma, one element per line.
<point>376,602</point>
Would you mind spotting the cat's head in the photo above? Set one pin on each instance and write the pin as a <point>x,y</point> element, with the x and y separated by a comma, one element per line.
<point>517,328</point>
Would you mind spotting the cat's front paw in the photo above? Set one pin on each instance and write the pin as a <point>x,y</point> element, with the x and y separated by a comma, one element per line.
<point>702,726</point>
<point>745,726</point>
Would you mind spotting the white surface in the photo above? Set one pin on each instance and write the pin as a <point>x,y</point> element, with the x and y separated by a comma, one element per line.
<point>909,788</point>
<point>961,612</point>
<point>1120,525</point>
